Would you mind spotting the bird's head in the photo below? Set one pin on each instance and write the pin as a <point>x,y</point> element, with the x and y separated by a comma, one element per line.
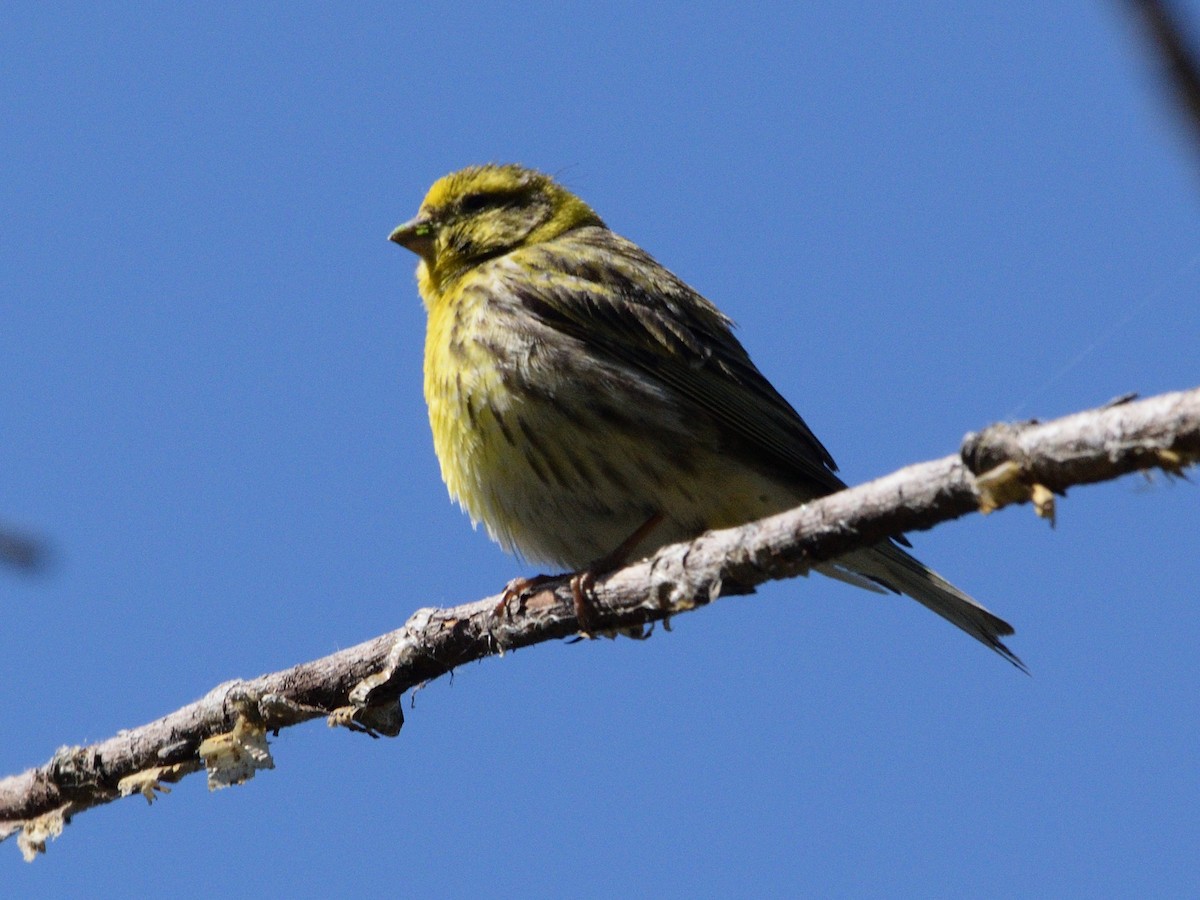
<point>482,212</point>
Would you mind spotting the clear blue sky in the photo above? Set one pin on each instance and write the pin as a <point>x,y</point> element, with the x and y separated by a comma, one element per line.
<point>925,218</point>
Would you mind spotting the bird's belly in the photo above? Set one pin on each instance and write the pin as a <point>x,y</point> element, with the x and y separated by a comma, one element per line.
<point>524,470</point>
<point>563,477</point>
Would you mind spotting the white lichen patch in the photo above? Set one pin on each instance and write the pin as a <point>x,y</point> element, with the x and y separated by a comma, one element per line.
<point>233,757</point>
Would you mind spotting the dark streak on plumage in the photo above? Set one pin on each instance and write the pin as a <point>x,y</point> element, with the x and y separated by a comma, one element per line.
<point>613,475</point>
<point>505,430</point>
<point>611,417</point>
<point>468,402</point>
<point>535,446</point>
<point>537,469</point>
<point>581,468</point>
<point>654,473</point>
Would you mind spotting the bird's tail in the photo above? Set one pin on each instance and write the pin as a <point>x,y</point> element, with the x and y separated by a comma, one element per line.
<point>886,565</point>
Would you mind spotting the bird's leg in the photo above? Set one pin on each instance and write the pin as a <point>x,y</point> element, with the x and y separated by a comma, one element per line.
<point>582,581</point>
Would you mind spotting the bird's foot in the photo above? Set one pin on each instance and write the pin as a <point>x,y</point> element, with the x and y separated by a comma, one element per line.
<point>583,600</point>
<point>583,580</point>
<point>581,594</point>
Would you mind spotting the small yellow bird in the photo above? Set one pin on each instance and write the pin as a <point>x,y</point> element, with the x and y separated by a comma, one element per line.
<point>589,407</point>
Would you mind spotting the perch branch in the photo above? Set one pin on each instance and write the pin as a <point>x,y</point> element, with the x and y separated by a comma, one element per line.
<point>225,731</point>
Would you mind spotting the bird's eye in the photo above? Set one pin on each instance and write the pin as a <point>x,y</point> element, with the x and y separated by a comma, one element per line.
<point>473,203</point>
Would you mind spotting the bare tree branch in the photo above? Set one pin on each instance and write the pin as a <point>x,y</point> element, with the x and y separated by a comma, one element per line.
<point>225,731</point>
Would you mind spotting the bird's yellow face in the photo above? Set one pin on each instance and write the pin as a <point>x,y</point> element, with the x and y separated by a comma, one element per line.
<point>482,212</point>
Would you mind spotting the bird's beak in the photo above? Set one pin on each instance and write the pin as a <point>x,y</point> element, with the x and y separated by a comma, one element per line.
<point>416,235</point>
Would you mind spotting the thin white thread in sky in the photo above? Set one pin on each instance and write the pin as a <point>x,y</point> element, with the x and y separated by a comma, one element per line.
<point>1106,335</point>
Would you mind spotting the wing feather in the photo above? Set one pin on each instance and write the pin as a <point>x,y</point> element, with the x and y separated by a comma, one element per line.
<point>605,291</point>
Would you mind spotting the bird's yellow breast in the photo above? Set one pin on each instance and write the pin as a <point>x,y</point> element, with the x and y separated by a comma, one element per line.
<point>463,392</point>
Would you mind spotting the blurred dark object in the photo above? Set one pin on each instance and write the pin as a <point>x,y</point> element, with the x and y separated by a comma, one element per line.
<point>1164,26</point>
<point>21,551</point>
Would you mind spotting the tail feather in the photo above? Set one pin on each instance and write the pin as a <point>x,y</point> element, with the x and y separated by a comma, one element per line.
<point>889,566</point>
